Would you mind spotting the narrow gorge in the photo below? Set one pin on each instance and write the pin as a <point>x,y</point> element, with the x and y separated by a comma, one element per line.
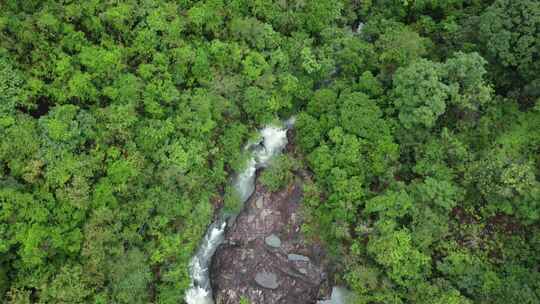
<point>260,254</point>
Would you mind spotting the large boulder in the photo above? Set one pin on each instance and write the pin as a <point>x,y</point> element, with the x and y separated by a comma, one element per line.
<point>265,258</point>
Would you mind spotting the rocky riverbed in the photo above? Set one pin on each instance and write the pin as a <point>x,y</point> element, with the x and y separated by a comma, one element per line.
<point>265,258</point>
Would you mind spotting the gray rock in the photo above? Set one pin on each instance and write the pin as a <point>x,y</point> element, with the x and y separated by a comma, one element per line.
<point>249,265</point>
<point>297,258</point>
<point>259,202</point>
<point>273,241</point>
<point>267,280</point>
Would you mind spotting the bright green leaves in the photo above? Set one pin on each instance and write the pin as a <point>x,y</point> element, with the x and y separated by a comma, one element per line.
<point>102,63</point>
<point>207,15</point>
<point>391,205</point>
<point>404,263</point>
<point>399,45</point>
<point>363,279</point>
<point>309,62</point>
<point>309,131</point>
<point>425,90</point>
<point>350,145</point>
<point>510,31</point>
<point>439,193</point>
<point>258,34</point>
<point>438,293</point>
<point>121,172</point>
<point>23,206</point>
<point>232,141</point>
<point>61,168</point>
<point>153,134</point>
<point>321,160</point>
<point>254,66</point>
<point>103,194</point>
<point>319,14</point>
<point>465,75</point>
<point>131,276</point>
<point>80,87</point>
<point>68,286</point>
<point>19,146</point>
<point>470,273</point>
<point>178,156</point>
<point>508,185</point>
<point>120,18</point>
<point>60,125</point>
<point>361,116</point>
<point>244,300</point>
<point>31,241</point>
<point>347,152</point>
<point>348,191</point>
<point>355,56</point>
<point>186,155</point>
<point>370,85</point>
<point>280,173</point>
<point>419,94</point>
<point>323,102</point>
<point>505,177</point>
<point>37,240</point>
<point>48,23</point>
<point>257,105</point>
<point>357,114</point>
<point>11,82</point>
<point>158,90</point>
<point>158,93</point>
<point>125,89</point>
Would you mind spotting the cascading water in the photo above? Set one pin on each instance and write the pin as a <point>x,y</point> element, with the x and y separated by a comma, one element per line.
<point>272,143</point>
<point>340,295</point>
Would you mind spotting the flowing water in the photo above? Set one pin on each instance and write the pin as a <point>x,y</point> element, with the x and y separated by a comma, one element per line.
<point>272,143</point>
<point>340,295</point>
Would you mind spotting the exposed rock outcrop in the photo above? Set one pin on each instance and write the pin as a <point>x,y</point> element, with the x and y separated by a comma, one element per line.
<point>265,258</point>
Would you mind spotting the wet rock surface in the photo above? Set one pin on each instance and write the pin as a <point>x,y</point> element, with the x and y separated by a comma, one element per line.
<point>267,280</point>
<point>265,258</point>
<point>273,241</point>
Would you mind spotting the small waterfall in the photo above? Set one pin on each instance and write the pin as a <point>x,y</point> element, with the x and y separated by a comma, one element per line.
<point>272,143</point>
<point>340,295</point>
<point>200,291</point>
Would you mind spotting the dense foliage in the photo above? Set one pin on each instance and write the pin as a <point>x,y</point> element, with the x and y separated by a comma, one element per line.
<point>121,123</point>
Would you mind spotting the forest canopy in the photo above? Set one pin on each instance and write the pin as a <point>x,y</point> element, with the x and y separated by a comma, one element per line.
<point>122,122</point>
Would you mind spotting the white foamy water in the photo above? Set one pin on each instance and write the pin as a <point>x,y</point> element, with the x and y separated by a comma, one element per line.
<point>272,143</point>
<point>340,295</point>
<point>245,181</point>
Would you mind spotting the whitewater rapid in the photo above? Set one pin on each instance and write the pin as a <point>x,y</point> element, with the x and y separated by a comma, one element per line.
<point>272,142</point>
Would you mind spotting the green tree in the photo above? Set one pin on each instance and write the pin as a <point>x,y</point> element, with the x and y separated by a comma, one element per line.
<point>280,173</point>
<point>395,251</point>
<point>11,83</point>
<point>510,36</point>
<point>419,94</point>
<point>309,131</point>
<point>361,116</point>
<point>399,45</point>
<point>465,75</point>
<point>131,276</point>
